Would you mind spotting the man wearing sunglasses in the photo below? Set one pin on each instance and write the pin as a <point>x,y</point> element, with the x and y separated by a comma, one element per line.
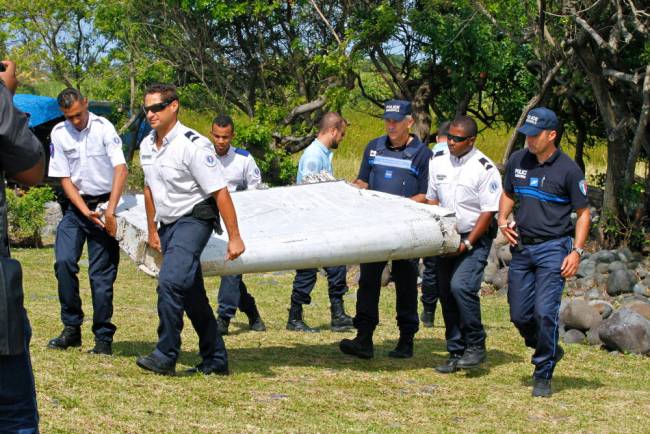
<point>465,181</point>
<point>548,185</point>
<point>185,191</point>
<point>86,153</point>
<point>397,163</point>
<point>241,173</point>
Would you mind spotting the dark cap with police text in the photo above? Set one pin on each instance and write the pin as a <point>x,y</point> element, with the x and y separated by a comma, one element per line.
<point>538,120</point>
<point>396,109</point>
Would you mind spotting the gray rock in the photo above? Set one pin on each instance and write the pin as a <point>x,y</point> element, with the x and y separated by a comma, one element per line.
<point>385,275</point>
<point>593,294</point>
<point>616,265</point>
<point>626,331</point>
<point>642,272</point>
<point>492,256</point>
<point>603,308</point>
<point>632,265</point>
<point>620,282</point>
<point>642,288</point>
<point>640,307</point>
<point>605,256</point>
<point>504,255</point>
<point>602,268</point>
<point>53,216</point>
<point>579,315</point>
<point>585,282</point>
<point>627,253</point>
<point>593,338</point>
<point>601,279</point>
<point>622,257</point>
<point>586,268</point>
<point>490,272</point>
<point>501,278</point>
<point>574,336</point>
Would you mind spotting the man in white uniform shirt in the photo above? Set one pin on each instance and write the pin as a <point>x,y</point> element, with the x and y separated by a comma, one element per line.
<point>184,193</point>
<point>465,181</point>
<point>86,153</point>
<point>241,173</point>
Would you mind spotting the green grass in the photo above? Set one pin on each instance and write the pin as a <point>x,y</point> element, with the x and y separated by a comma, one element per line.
<point>289,382</point>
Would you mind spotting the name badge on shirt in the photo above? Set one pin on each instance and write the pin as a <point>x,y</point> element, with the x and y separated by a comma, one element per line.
<point>388,174</point>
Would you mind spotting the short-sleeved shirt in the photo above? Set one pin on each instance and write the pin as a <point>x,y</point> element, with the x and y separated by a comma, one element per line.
<point>469,185</point>
<point>316,158</point>
<point>20,150</point>
<point>240,169</point>
<point>87,157</point>
<point>403,172</point>
<point>183,172</point>
<point>545,193</point>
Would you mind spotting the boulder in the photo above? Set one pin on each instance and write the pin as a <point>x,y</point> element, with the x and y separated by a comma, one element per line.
<point>642,288</point>
<point>593,338</point>
<point>586,268</point>
<point>620,282</point>
<point>574,336</point>
<point>602,268</point>
<point>626,331</point>
<point>504,255</point>
<point>604,308</point>
<point>639,307</point>
<point>605,256</point>
<point>489,272</point>
<point>626,253</point>
<point>593,294</point>
<point>616,265</point>
<point>501,278</point>
<point>579,315</point>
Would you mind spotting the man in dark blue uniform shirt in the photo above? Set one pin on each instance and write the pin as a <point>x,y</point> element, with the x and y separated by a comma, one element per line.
<point>21,155</point>
<point>397,163</point>
<point>547,185</point>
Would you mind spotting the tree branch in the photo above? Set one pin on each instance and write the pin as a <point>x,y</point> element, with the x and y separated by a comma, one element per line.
<point>594,34</point>
<point>640,136</point>
<point>325,20</point>
<point>634,79</point>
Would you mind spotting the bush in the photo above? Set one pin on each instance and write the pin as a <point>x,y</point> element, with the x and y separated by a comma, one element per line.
<point>26,214</point>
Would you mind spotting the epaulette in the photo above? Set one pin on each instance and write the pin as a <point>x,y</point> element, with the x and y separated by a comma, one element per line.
<point>243,152</point>
<point>486,163</point>
<point>58,126</point>
<point>192,135</point>
<point>438,153</point>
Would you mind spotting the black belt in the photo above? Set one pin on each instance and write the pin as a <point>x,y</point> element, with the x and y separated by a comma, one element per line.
<point>540,239</point>
<point>93,201</point>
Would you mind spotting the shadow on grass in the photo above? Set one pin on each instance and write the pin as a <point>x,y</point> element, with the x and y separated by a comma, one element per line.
<point>264,359</point>
<point>562,382</point>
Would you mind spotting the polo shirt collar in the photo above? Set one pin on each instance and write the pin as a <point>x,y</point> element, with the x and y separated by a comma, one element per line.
<point>550,160</point>
<point>91,117</point>
<point>171,135</point>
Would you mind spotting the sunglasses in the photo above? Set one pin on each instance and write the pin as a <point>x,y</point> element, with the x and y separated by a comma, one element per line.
<point>457,139</point>
<point>155,108</point>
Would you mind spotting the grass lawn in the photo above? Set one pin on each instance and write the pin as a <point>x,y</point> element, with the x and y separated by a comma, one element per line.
<point>290,382</point>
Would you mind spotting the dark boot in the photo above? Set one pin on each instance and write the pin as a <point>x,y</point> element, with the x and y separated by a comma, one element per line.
<point>428,315</point>
<point>341,322</point>
<point>295,322</point>
<point>404,348</point>
<point>222,325</point>
<point>69,337</point>
<point>155,364</point>
<point>473,357</point>
<point>450,364</point>
<point>361,346</point>
<point>542,388</point>
<point>255,322</point>
<point>102,347</point>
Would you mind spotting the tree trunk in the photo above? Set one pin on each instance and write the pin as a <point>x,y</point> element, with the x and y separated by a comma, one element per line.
<point>421,113</point>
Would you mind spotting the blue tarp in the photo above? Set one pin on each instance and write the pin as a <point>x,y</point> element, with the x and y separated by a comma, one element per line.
<point>41,109</point>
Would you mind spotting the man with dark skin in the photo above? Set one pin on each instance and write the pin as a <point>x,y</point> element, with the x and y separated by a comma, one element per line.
<point>548,186</point>
<point>465,181</point>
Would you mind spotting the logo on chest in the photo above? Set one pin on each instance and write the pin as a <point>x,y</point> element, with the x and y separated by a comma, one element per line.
<point>534,182</point>
<point>520,173</point>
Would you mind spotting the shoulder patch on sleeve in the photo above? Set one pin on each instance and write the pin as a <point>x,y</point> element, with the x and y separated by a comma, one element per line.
<point>193,136</point>
<point>240,151</point>
<point>486,163</point>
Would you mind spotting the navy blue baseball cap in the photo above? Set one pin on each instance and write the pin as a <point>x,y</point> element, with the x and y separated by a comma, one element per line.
<point>538,120</point>
<point>396,109</point>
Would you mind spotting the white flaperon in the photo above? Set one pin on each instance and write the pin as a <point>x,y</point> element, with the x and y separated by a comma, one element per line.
<point>308,226</point>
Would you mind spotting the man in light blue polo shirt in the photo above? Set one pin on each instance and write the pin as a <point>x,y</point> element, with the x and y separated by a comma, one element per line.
<point>317,158</point>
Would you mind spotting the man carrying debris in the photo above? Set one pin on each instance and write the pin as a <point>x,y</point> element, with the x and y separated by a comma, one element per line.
<point>397,163</point>
<point>317,158</point>
<point>185,191</point>
<point>241,173</point>
<point>465,181</point>
<point>548,186</point>
<point>86,153</point>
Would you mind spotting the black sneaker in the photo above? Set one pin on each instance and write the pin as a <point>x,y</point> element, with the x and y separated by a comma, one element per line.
<point>542,388</point>
<point>472,358</point>
<point>154,364</point>
<point>450,365</point>
<point>201,368</point>
<point>222,325</point>
<point>102,347</point>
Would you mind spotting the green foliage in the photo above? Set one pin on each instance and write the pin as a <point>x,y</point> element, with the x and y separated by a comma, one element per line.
<point>26,214</point>
<point>276,165</point>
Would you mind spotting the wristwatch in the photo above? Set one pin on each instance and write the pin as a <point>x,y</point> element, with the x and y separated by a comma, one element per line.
<point>468,244</point>
<point>579,251</point>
